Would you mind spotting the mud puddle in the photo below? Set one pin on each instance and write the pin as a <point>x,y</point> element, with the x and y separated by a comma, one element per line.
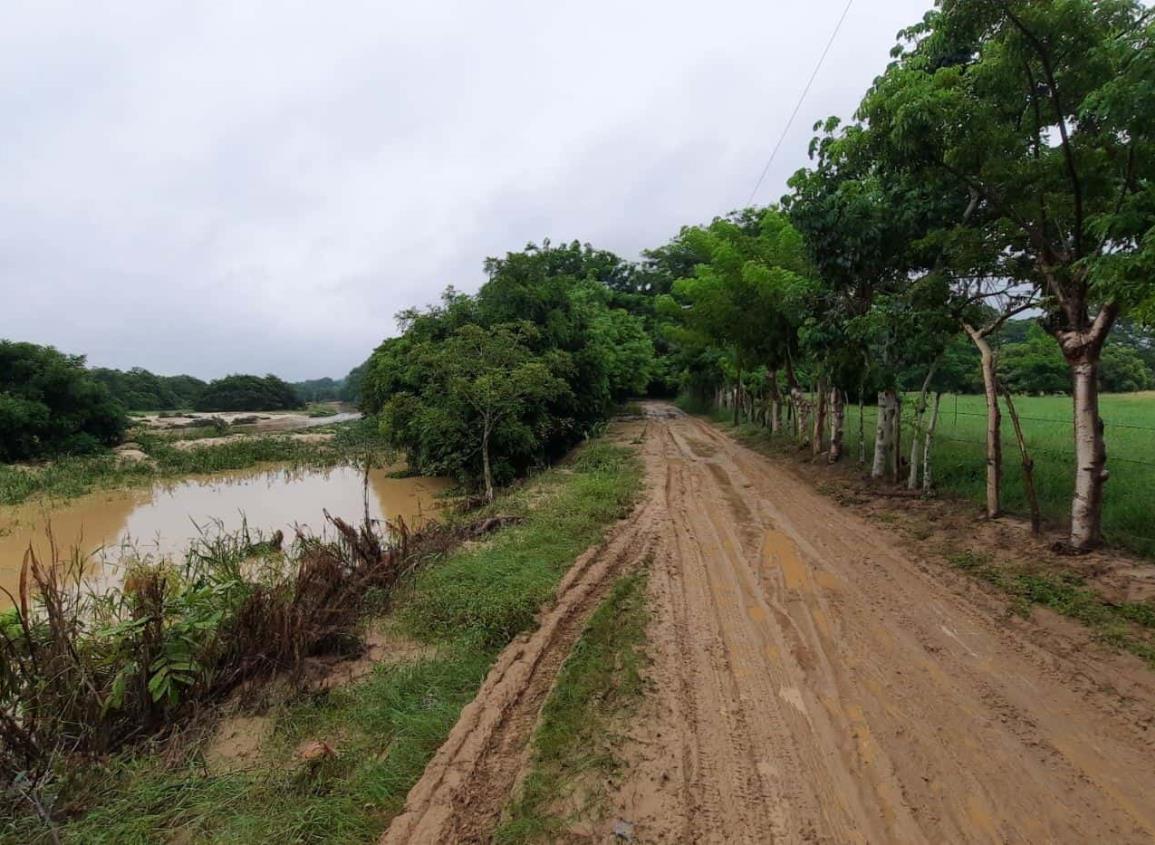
<point>161,521</point>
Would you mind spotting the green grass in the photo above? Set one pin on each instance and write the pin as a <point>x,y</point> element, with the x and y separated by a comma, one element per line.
<point>573,748</point>
<point>1128,626</point>
<point>75,476</point>
<point>467,606</point>
<point>960,457</point>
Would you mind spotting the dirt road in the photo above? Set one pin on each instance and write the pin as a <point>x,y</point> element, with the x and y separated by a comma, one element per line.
<point>815,684</point>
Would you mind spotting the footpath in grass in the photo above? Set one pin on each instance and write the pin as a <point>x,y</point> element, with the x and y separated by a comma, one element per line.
<point>381,730</point>
<point>573,752</point>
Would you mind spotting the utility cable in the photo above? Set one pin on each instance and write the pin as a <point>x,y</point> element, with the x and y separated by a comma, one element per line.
<point>801,100</point>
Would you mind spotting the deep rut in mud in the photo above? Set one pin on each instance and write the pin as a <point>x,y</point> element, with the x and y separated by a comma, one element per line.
<point>813,683</point>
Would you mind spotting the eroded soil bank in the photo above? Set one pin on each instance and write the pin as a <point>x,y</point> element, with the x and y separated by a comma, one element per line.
<point>813,681</point>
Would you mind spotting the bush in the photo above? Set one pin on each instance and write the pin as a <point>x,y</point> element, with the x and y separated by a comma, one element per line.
<point>51,405</point>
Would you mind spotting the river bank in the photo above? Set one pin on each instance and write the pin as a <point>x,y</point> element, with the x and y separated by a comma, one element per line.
<point>337,764</point>
<point>150,456</point>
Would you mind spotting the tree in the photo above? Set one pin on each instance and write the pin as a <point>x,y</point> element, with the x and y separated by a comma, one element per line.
<point>249,393</point>
<point>1034,365</point>
<point>741,298</point>
<point>494,373</point>
<point>140,390</point>
<point>1044,115</point>
<point>51,405</point>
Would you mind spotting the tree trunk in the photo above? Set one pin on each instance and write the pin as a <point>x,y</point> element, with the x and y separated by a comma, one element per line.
<point>896,456</point>
<point>926,464</point>
<point>1082,350</point>
<point>775,404</point>
<point>819,417</point>
<point>485,464</point>
<point>737,397</point>
<point>994,423</point>
<point>861,426</point>
<point>1028,465</point>
<point>919,413</point>
<point>884,432</point>
<point>1090,456</point>
<point>837,423</point>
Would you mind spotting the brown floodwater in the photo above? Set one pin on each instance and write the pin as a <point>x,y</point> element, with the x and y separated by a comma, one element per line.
<point>163,520</point>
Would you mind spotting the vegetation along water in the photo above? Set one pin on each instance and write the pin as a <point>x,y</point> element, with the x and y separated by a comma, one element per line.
<point>955,297</point>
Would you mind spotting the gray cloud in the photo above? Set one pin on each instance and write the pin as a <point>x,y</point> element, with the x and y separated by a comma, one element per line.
<point>259,186</point>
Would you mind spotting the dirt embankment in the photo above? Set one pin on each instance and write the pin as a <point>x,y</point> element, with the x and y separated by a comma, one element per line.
<point>812,682</point>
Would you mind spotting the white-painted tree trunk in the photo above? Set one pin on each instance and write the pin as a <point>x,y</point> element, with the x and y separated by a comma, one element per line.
<point>884,433</point>
<point>837,424</point>
<point>919,414</point>
<point>896,445</point>
<point>929,442</point>
<point>819,429</point>
<point>994,423</point>
<point>861,427</point>
<point>1090,456</point>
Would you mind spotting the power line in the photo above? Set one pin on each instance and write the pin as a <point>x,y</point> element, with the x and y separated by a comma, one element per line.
<point>801,100</point>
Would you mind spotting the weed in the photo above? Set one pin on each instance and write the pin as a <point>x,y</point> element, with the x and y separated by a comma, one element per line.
<point>1123,625</point>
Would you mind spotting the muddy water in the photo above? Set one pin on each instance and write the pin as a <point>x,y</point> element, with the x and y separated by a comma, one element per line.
<point>161,521</point>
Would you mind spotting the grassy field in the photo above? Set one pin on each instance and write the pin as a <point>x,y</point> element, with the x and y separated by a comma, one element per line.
<point>385,728</point>
<point>960,457</point>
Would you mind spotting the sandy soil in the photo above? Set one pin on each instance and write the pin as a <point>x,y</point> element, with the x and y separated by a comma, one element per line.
<point>813,682</point>
<point>209,442</point>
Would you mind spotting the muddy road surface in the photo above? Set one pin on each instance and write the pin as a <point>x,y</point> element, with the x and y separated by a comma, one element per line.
<point>813,683</point>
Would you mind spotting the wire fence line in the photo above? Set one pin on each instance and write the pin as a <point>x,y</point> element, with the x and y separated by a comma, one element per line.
<point>909,417</point>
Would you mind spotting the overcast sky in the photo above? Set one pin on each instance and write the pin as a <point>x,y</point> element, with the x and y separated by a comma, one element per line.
<point>234,186</point>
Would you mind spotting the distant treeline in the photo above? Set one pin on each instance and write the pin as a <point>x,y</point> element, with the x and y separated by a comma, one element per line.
<point>345,389</point>
<point>139,390</point>
<point>53,404</point>
<point>1029,361</point>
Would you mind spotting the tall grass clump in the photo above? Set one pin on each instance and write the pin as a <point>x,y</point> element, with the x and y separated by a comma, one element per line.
<point>85,673</point>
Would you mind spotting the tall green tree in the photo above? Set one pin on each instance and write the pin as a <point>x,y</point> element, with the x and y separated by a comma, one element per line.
<point>1044,115</point>
<point>743,297</point>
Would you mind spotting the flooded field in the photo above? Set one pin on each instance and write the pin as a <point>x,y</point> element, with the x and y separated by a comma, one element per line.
<point>161,521</point>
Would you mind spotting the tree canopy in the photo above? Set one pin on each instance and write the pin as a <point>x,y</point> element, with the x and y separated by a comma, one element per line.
<point>248,393</point>
<point>51,405</point>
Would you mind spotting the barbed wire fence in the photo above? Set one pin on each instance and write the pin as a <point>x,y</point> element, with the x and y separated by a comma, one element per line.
<point>949,433</point>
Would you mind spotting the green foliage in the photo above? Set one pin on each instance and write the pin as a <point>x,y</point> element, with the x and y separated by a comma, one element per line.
<point>51,405</point>
<point>386,727</point>
<point>320,390</point>
<point>536,360</point>
<point>493,594</point>
<point>248,393</point>
<point>139,390</point>
<point>1034,365</point>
